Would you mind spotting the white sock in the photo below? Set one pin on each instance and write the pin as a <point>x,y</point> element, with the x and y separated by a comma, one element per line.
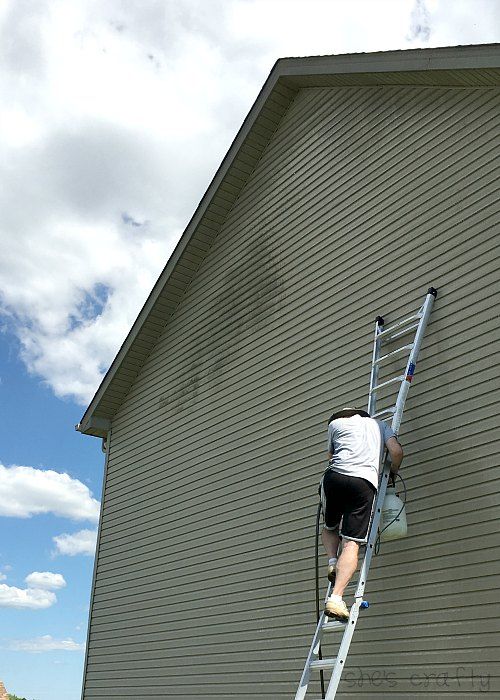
<point>332,561</point>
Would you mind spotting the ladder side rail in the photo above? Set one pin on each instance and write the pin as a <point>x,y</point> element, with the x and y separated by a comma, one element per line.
<point>412,359</point>
<point>343,651</point>
<point>313,652</point>
<point>353,617</point>
<point>373,534</point>
<point>425,312</point>
<point>379,327</point>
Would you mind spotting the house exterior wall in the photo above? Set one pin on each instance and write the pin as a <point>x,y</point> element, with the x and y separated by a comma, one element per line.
<point>205,581</point>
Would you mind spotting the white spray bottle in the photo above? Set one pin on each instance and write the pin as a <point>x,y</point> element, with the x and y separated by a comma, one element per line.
<point>393,524</point>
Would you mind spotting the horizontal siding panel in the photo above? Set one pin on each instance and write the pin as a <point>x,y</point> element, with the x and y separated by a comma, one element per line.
<point>164,531</point>
<point>215,554</point>
<point>270,426</point>
<point>170,636</point>
<point>205,573</point>
<point>148,660</point>
<point>262,481</point>
<point>368,642</point>
<point>128,613</point>
<point>268,517</point>
<point>262,578</point>
<point>419,469</point>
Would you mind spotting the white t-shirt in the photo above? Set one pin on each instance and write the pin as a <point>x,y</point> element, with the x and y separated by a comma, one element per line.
<point>357,444</point>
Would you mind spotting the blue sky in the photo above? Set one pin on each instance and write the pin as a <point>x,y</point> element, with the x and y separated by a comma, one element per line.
<point>36,428</point>
<point>115,119</point>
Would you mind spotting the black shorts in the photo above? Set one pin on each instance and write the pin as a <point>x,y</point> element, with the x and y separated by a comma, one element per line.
<point>347,504</point>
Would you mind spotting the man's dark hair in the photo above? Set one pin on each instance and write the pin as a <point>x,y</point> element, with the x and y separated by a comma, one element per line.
<point>348,413</point>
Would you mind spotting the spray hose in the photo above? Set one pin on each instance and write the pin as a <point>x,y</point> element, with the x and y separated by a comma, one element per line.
<point>318,613</point>
<point>376,548</point>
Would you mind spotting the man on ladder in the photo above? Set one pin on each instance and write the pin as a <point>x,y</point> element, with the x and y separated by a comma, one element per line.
<point>355,445</point>
<point>348,489</point>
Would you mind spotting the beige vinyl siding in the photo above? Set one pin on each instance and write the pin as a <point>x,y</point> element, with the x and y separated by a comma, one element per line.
<point>205,582</point>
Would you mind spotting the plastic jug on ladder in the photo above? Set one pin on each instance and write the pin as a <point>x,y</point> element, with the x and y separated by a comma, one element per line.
<point>393,524</point>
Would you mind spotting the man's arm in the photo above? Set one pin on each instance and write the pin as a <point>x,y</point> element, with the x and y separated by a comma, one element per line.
<point>395,453</point>
<point>330,441</point>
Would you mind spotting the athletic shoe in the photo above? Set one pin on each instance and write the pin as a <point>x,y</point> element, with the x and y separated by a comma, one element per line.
<point>331,573</point>
<point>335,607</point>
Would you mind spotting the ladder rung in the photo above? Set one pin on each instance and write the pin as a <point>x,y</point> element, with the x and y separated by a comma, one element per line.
<point>323,664</point>
<point>399,325</point>
<point>390,410</point>
<point>394,352</point>
<point>403,332</point>
<point>333,626</point>
<point>389,381</point>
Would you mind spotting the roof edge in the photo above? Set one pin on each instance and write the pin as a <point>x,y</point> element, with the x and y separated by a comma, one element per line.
<point>97,427</point>
<point>401,60</point>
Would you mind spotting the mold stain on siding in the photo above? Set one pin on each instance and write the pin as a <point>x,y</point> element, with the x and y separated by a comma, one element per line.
<point>250,296</point>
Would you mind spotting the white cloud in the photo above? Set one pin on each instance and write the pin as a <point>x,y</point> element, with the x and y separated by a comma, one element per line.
<point>420,26</point>
<point>31,598</point>
<point>117,114</point>
<point>45,643</point>
<point>45,580</point>
<point>82,542</point>
<point>26,491</point>
<point>38,594</point>
<point>2,577</point>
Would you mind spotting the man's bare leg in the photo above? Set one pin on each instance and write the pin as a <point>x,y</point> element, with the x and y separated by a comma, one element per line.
<point>346,566</point>
<point>331,541</point>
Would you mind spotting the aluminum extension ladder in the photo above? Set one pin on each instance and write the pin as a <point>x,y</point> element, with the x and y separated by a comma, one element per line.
<point>416,322</point>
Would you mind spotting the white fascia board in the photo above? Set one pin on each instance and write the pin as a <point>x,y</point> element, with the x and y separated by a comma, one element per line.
<point>445,58</point>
